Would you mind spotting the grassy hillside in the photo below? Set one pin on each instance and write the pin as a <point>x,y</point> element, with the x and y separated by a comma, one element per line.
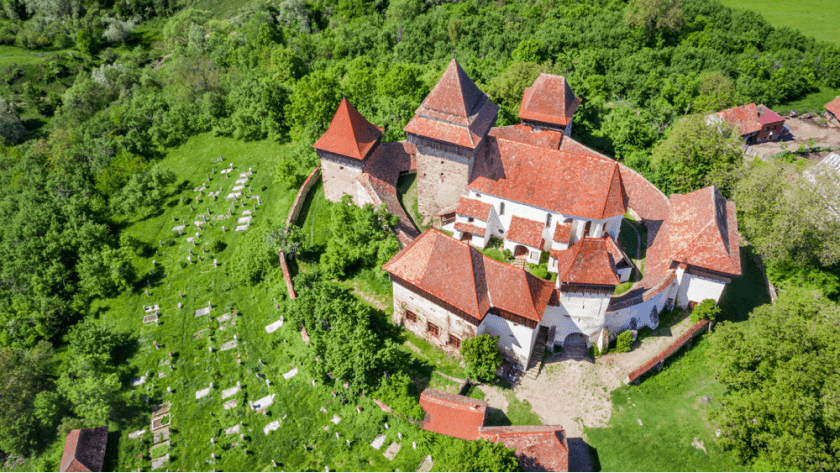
<point>817,18</point>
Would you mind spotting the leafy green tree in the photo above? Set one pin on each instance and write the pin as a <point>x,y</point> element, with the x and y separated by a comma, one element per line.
<point>507,89</point>
<point>23,374</point>
<point>629,129</point>
<point>287,239</point>
<point>783,385</point>
<point>313,103</point>
<point>110,179</point>
<point>654,15</point>
<point>400,80</point>
<point>482,356</point>
<point>85,41</point>
<point>529,50</point>
<point>11,128</point>
<point>284,65</point>
<point>255,254</point>
<point>144,191</point>
<point>624,342</point>
<point>105,272</point>
<point>481,455</point>
<point>707,309</point>
<point>717,92</point>
<point>694,152</point>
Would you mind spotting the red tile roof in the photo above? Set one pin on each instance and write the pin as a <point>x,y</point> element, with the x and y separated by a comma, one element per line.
<point>614,250</point>
<point>538,447</point>
<point>525,134</point>
<point>473,208</point>
<point>834,107</point>
<point>769,116</point>
<point>745,117</point>
<point>586,262</point>
<point>562,232</point>
<point>469,228</point>
<point>455,111</point>
<point>459,275</point>
<point>703,231</point>
<point>349,134</point>
<point>587,186</point>
<point>84,450</point>
<point>451,414</point>
<point>527,232</point>
<point>550,100</point>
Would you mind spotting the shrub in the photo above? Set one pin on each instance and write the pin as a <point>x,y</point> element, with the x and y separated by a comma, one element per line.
<point>624,342</point>
<point>216,246</point>
<point>705,310</point>
<point>481,356</point>
<point>507,253</point>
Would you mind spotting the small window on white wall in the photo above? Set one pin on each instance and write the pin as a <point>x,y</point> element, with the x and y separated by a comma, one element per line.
<point>501,208</point>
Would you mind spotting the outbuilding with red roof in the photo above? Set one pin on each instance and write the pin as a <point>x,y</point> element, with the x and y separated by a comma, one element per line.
<point>833,110</point>
<point>84,450</point>
<point>756,123</point>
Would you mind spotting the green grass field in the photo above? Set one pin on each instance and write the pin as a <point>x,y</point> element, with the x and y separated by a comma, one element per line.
<point>817,18</point>
<point>813,102</point>
<point>673,405</point>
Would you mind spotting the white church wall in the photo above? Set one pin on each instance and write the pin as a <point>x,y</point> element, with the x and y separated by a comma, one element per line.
<point>515,340</point>
<point>694,288</point>
<point>426,311</point>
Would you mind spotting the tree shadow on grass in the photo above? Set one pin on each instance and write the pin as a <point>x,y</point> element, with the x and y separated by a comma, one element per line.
<point>496,418</point>
<point>112,451</point>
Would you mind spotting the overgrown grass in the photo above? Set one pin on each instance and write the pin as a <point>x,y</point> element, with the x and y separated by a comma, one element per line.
<point>813,102</point>
<point>673,405</point>
<point>407,195</point>
<point>817,18</point>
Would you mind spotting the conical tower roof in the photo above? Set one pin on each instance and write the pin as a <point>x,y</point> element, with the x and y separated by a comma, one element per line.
<point>550,100</point>
<point>349,134</point>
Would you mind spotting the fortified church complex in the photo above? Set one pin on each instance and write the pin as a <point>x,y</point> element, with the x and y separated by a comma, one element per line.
<point>537,189</point>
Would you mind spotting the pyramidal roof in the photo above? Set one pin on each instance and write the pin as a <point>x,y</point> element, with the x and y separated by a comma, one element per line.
<point>455,111</point>
<point>349,134</point>
<point>587,262</point>
<point>550,100</point>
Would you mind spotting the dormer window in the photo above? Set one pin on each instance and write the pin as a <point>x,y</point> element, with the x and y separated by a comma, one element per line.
<point>501,208</point>
<point>470,219</point>
<point>547,220</point>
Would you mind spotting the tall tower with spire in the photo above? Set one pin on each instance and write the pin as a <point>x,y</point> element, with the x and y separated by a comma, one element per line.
<point>448,129</point>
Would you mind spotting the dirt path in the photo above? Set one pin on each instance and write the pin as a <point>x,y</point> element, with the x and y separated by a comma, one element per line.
<point>576,394</point>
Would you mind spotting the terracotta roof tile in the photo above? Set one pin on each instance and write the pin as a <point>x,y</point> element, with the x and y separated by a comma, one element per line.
<point>834,107</point>
<point>745,117</point>
<point>703,231</point>
<point>614,251</point>
<point>473,229</point>
<point>538,447</point>
<point>455,111</point>
<point>769,116</point>
<point>574,184</point>
<point>550,100</point>
<point>84,450</point>
<point>349,134</point>
<point>586,262</point>
<point>473,208</point>
<point>527,232</point>
<point>451,414</point>
<point>562,232</point>
<point>461,276</point>
<point>525,134</point>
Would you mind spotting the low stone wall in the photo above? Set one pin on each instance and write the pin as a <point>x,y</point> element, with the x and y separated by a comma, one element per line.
<point>294,213</point>
<point>658,360</point>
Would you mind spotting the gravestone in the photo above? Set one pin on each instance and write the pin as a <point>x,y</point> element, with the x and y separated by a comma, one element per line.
<point>274,326</point>
<point>335,419</point>
<point>233,430</point>
<point>230,392</point>
<point>229,345</point>
<point>201,393</point>
<point>138,381</point>
<point>272,426</point>
<point>392,451</point>
<point>378,442</point>
<point>230,404</point>
<point>136,434</point>
<point>263,402</point>
<point>241,228</point>
<point>244,220</point>
<point>202,311</point>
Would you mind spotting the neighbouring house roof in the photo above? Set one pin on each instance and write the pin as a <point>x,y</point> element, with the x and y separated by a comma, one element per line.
<point>473,208</point>
<point>538,447</point>
<point>573,184</point>
<point>834,107</point>
<point>832,161</point>
<point>455,111</point>
<point>461,276</point>
<point>469,228</point>
<point>549,100</point>
<point>703,231</point>
<point>451,414</point>
<point>767,116</point>
<point>588,261</point>
<point>349,134</point>
<point>745,117</point>
<point>527,232</point>
<point>84,449</point>
<point>562,232</point>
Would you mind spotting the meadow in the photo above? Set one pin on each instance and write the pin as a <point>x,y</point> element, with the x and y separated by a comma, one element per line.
<point>817,18</point>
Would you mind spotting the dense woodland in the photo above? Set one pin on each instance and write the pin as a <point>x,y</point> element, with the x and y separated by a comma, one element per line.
<point>81,134</point>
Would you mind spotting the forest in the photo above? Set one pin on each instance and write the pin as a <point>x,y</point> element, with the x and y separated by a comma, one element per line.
<point>115,86</point>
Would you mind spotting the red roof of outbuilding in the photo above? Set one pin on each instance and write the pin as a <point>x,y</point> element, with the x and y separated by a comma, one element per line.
<point>451,414</point>
<point>538,447</point>
<point>586,262</point>
<point>745,117</point>
<point>469,228</point>
<point>349,134</point>
<point>527,232</point>
<point>550,100</point>
<point>573,184</point>
<point>84,450</point>
<point>703,231</point>
<point>769,116</point>
<point>455,111</point>
<point>562,232</point>
<point>473,208</point>
<point>459,275</point>
<point>834,107</point>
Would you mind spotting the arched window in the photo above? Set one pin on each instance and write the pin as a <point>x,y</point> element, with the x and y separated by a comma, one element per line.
<point>501,208</point>
<point>547,220</point>
<point>587,228</point>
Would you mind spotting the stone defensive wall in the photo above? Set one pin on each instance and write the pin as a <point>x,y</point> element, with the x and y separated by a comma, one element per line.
<point>294,213</point>
<point>659,360</point>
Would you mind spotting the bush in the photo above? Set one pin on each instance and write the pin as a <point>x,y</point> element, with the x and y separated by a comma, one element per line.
<point>399,393</point>
<point>217,246</point>
<point>507,254</point>
<point>481,356</point>
<point>624,342</point>
<point>705,310</point>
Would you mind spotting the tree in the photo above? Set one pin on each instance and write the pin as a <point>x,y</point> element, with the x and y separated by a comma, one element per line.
<point>287,239</point>
<point>695,152</point>
<point>707,309</point>
<point>654,15</point>
<point>528,50</point>
<point>313,103</point>
<point>481,455</point>
<point>85,41</point>
<point>11,128</point>
<point>118,31</point>
<point>629,129</point>
<point>790,216</point>
<point>482,357</point>
<point>508,88</point>
<point>717,92</point>
<point>110,179</point>
<point>144,191</point>
<point>104,272</point>
<point>784,387</point>
<point>23,374</point>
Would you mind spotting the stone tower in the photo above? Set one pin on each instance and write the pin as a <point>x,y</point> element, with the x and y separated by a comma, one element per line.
<point>344,150</point>
<point>448,129</point>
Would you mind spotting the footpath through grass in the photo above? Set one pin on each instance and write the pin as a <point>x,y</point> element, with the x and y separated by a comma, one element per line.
<point>661,424</point>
